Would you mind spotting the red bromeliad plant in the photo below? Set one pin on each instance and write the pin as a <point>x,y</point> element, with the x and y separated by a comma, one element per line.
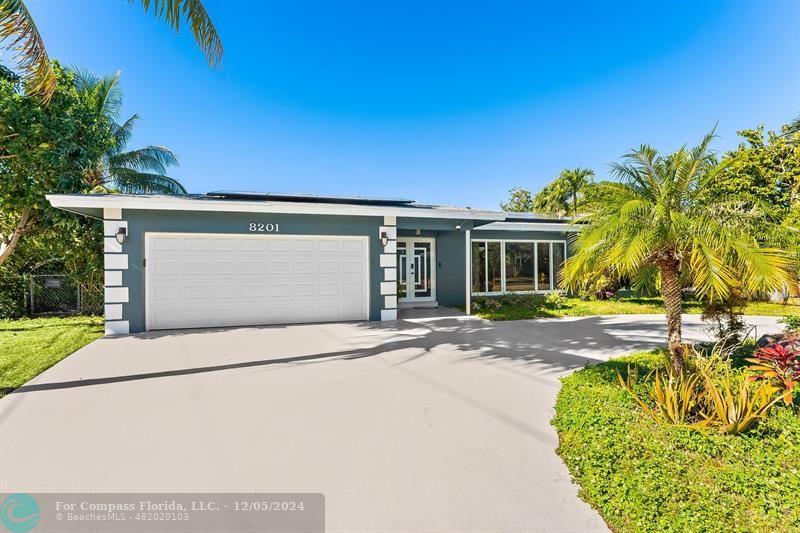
<point>779,363</point>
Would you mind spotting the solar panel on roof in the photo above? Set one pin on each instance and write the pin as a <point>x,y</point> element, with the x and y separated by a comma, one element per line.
<point>303,197</point>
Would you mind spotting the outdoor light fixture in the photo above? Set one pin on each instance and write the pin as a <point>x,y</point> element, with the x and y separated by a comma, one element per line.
<point>122,234</point>
<point>384,238</point>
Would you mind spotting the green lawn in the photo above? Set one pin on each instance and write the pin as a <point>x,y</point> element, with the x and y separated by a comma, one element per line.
<point>28,347</point>
<point>537,308</point>
<point>645,476</point>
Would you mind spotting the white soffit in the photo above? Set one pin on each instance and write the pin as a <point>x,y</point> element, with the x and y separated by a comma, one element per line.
<point>527,226</point>
<point>168,203</point>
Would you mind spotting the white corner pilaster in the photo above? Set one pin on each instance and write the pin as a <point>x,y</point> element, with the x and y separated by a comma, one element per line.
<point>468,270</point>
<point>116,261</point>
<point>388,263</point>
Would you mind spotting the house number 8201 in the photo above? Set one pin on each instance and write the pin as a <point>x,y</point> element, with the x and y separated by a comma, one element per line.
<point>260,227</point>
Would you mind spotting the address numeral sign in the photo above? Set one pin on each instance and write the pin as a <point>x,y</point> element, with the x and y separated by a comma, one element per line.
<point>261,227</point>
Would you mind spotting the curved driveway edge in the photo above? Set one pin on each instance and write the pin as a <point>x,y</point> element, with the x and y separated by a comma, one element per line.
<point>435,424</point>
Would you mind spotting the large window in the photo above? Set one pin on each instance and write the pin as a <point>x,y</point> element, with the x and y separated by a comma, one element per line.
<point>478,266</point>
<point>516,266</point>
<point>519,266</point>
<point>494,271</point>
<point>543,266</point>
<point>559,255</point>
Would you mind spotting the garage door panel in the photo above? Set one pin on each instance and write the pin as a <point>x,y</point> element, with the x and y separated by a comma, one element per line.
<point>279,245</point>
<point>328,267</point>
<point>195,245</point>
<point>306,245</point>
<point>329,246</point>
<point>210,281</point>
<point>166,243</point>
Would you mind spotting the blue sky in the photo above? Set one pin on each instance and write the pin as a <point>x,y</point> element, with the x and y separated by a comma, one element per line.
<point>446,102</point>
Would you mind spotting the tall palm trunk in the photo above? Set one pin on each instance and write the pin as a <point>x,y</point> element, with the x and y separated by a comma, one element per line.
<point>671,291</point>
<point>8,243</point>
<point>574,203</point>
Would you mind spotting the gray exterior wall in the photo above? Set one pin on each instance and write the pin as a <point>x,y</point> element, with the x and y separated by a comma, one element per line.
<point>140,222</point>
<point>451,250</point>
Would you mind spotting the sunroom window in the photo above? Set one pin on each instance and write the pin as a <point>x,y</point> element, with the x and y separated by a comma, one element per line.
<point>516,266</point>
<point>519,266</point>
<point>543,266</point>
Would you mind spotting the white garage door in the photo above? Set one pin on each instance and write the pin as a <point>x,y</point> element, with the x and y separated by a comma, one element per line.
<point>195,280</point>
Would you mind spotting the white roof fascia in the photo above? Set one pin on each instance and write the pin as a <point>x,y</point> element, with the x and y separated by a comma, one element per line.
<point>528,226</point>
<point>88,201</point>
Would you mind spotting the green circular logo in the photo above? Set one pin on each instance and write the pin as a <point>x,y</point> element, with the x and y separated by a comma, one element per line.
<point>19,513</point>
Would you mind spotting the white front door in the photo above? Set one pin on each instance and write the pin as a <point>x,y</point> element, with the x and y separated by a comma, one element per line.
<point>416,269</point>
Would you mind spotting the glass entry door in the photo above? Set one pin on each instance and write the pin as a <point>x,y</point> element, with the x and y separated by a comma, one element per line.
<point>416,269</point>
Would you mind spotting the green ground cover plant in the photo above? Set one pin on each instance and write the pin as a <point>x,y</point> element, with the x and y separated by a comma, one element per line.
<point>646,475</point>
<point>28,347</point>
<point>522,307</point>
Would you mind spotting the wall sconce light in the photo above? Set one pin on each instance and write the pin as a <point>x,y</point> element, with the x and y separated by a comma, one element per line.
<point>122,234</point>
<point>384,238</point>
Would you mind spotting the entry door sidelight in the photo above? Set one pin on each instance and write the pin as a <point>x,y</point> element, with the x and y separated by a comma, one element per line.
<point>416,269</point>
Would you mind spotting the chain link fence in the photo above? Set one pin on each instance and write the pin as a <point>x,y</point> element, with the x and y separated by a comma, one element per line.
<point>54,294</point>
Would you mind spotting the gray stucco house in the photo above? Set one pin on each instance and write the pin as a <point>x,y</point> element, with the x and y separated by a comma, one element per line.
<point>238,259</point>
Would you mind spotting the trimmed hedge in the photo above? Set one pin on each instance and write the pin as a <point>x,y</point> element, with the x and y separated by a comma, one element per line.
<point>643,476</point>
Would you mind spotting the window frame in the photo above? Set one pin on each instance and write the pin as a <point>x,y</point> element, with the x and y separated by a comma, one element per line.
<point>535,243</point>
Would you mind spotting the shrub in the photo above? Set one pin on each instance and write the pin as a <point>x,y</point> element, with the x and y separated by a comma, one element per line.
<point>709,394</point>
<point>726,316</point>
<point>555,300</point>
<point>677,399</point>
<point>643,476</point>
<point>778,364</point>
<point>792,323</point>
<point>735,406</point>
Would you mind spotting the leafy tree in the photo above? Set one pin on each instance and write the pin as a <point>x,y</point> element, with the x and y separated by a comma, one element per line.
<point>18,28</point>
<point>566,193</point>
<point>552,199</point>
<point>764,172</point>
<point>143,170</point>
<point>44,149</point>
<point>765,168</point>
<point>657,220</point>
<point>519,200</point>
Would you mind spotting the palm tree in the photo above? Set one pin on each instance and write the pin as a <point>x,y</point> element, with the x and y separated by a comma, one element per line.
<point>575,181</point>
<point>139,171</point>
<point>561,196</point>
<point>655,222</point>
<point>19,29</point>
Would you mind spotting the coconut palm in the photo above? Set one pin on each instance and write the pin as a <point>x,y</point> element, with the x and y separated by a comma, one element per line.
<point>18,28</point>
<point>139,171</point>
<point>561,196</point>
<point>655,222</point>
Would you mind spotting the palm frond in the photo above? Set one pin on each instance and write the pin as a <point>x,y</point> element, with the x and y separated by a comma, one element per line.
<point>153,159</point>
<point>104,91</point>
<point>133,182</point>
<point>122,134</point>
<point>18,28</point>
<point>711,275</point>
<point>173,12</point>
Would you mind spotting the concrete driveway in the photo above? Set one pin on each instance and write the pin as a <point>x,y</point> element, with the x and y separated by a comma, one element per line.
<point>439,423</point>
